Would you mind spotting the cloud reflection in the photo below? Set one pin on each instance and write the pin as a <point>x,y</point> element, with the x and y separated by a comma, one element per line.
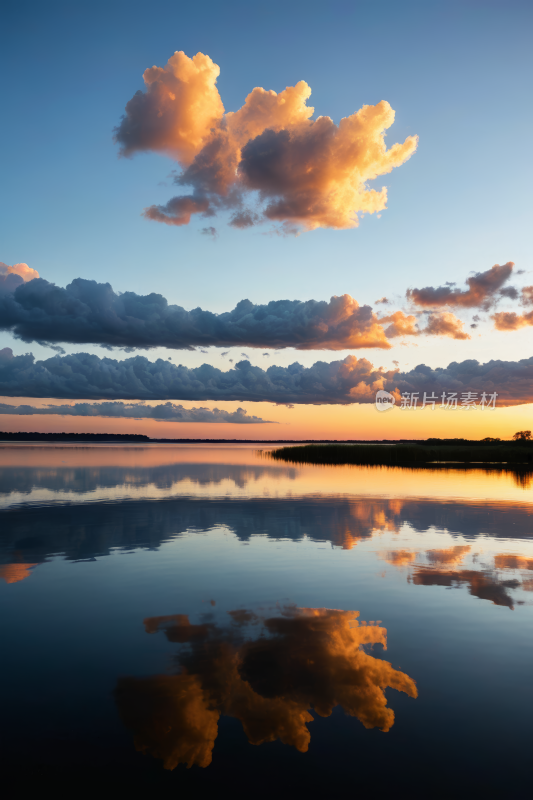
<point>438,568</point>
<point>299,660</point>
<point>480,584</point>
<point>13,573</point>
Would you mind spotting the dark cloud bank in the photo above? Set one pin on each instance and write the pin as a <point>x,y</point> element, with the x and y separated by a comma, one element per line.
<point>90,312</point>
<point>352,380</point>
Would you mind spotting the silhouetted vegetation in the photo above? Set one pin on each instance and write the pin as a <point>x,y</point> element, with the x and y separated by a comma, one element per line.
<point>398,454</point>
<point>72,437</point>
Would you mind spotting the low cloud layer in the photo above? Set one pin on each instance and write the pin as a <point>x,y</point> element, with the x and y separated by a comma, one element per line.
<point>87,312</point>
<point>165,412</point>
<point>90,312</point>
<point>11,277</point>
<point>484,288</point>
<point>305,173</point>
<point>268,673</point>
<point>352,380</point>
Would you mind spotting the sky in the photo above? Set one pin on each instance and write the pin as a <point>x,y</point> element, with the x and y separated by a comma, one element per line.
<point>77,176</point>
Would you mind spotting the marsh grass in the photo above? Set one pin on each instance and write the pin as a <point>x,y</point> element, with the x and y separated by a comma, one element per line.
<point>404,454</point>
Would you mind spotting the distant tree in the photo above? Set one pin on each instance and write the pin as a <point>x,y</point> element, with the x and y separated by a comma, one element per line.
<point>490,439</point>
<point>522,436</point>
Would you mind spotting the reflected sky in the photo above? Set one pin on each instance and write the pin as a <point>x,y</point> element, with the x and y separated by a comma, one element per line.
<point>175,607</point>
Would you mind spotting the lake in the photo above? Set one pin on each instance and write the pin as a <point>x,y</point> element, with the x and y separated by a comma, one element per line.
<point>183,618</point>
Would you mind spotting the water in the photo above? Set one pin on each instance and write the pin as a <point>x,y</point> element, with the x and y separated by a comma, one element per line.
<point>278,628</point>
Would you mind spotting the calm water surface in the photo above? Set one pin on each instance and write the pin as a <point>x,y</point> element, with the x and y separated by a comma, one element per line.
<point>178,619</point>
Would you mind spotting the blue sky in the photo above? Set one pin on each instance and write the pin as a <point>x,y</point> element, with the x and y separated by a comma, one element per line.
<point>458,74</point>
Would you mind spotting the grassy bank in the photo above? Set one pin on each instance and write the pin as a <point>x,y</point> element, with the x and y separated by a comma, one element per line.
<point>408,454</point>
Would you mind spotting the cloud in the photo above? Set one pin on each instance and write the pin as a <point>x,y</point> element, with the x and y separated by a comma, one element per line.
<point>511,321</point>
<point>308,659</point>
<point>482,292</point>
<point>166,412</point>
<point>527,296</point>
<point>400,324</point>
<point>90,312</point>
<point>87,312</point>
<point>305,173</point>
<point>11,277</point>
<point>177,111</point>
<point>244,219</point>
<point>210,231</point>
<point>352,380</point>
<point>445,324</point>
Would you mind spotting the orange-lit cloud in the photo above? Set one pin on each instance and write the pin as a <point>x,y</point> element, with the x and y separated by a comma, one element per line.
<point>13,573</point>
<point>310,659</point>
<point>399,324</point>
<point>16,275</point>
<point>445,324</point>
<point>483,289</point>
<point>308,173</point>
<point>177,111</point>
<point>511,321</point>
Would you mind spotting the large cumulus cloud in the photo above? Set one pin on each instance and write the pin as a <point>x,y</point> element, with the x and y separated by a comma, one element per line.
<point>307,173</point>
<point>165,412</point>
<point>352,380</point>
